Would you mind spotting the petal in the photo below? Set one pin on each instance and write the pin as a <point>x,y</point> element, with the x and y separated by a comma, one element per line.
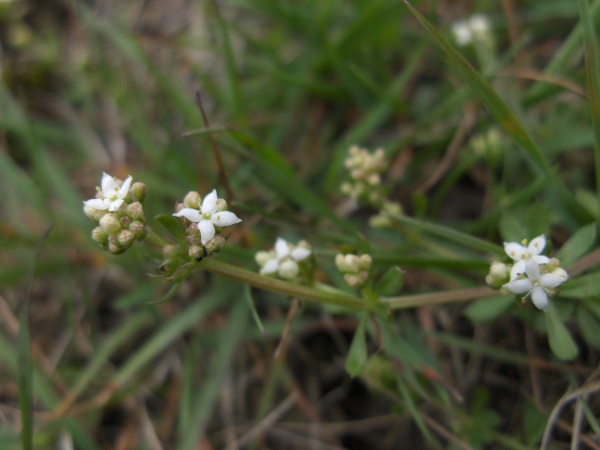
<point>207,230</point>
<point>109,184</point>
<point>513,250</point>
<point>193,215</point>
<point>270,267</point>
<point>517,269</point>
<point>225,218</point>
<point>532,269</point>
<point>519,286</point>
<point>539,298</point>
<point>209,205</point>
<point>300,253</point>
<point>551,280</point>
<point>540,259</point>
<point>125,186</point>
<point>282,248</point>
<point>115,205</point>
<point>536,246</point>
<point>96,203</point>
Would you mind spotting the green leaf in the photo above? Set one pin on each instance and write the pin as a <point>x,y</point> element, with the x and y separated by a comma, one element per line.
<point>581,287</point>
<point>252,306</point>
<point>391,283</point>
<point>172,225</point>
<point>578,245</point>
<point>489,308</point>
<point>561,342</point>
<point>357,355</point>
<point>589,326</point>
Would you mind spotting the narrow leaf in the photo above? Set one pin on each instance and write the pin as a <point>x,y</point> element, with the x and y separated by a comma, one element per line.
<point>489,309</point>
<point>252,306</point>
<point>390,283</point>
<point>357,355</point>
<point>578,245</point>
<point>561,342</point>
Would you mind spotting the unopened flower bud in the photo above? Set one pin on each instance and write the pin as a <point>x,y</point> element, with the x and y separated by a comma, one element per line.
<point>94,214</point>
<point>498,275</point>
<point>126,238</point>
<point>263,257</point>
<point>365,261</point>
<point>559,271</point>
<point>125,221</point>
<point>170,252</point>
<point>114,247</point>
<point>139,229</point>
<point>351,264</point>
<point>99,235</point>
<point>138,191</point>
<point>136,211</point>
<point>196,252</point>
<point>339,261</point>
<point>215,244</point>
<point>110,224</point>
<point>288,269</point>
<point>221,205</point>
<point>192,200</point>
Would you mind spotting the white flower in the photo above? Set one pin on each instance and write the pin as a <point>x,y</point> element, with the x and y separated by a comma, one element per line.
<point>522,254</point>
<point>535,285</point>
<point>208,217</point>
<point>284,261</point>
<point>468,30</point>
<point>111,194</point>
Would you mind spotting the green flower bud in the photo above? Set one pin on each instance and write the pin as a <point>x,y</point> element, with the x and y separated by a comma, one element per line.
<point>221,205</point>
<point>196,252</point>
<point>192,200</point>
<point>138,191</point>
<point>110,224</point>
<point>339,261</point>
<point>170,251</point>
<point>94,214</point>
<point>139,229</point>
<point>99,235</point>
<point>215,244</point>
<point>288,269</point>
<point>114,247</point>
<point>136,211</point>
<point>126,238</point>
<point>365,261</point>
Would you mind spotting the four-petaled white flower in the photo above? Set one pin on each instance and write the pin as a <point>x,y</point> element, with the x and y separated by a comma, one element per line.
<point>208,217</point>
<point>535,285</point>
<point>522,254</point>
<point>111,194</point>
<point>285,260</point>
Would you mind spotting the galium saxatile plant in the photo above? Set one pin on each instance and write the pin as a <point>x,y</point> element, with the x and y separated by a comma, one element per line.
<point>118,213</point>
<point>354,268</point>
<point>287,261</point>
<point>533,274</point>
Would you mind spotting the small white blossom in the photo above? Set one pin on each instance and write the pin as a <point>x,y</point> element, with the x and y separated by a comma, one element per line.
<point>284,260</point>
<point>209,216</point>
<point>522,254</point>
<point>111,194</point>
<point>476,27</point>
<point>535,285</point>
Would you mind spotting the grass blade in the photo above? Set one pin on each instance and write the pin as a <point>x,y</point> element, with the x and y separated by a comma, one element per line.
<point>495,105</point>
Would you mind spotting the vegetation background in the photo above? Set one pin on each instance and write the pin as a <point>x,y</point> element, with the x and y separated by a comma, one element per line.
<point>87,363</point>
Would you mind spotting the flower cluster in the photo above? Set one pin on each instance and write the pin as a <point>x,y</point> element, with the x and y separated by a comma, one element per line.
<point>532,273</point>
<point>118,213</point>
<point>365,172</point>
<point>287,261</point>
<point>475,28</point>
<point>205,220</point>
<point>355,269</point>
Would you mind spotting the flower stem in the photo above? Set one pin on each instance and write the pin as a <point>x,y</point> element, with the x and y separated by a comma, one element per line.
<point>283,287</point>
<point>438,298</point>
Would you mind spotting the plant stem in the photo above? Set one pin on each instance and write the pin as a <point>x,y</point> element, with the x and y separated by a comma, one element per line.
<point>438,298</point>
<point>283,287</point>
